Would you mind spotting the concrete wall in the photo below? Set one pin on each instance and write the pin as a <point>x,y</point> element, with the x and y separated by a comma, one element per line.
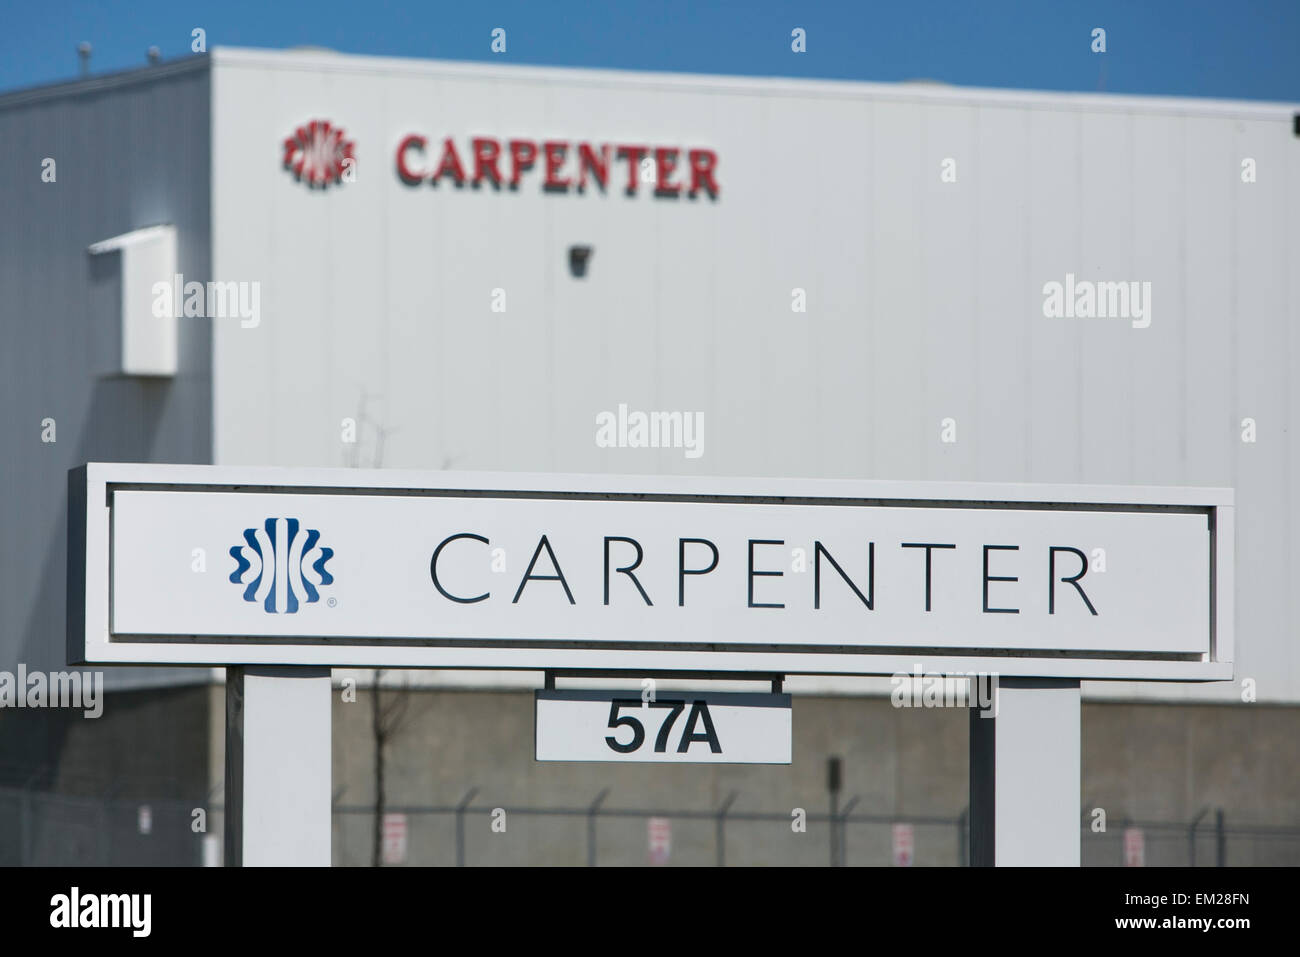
<point>147,744</point>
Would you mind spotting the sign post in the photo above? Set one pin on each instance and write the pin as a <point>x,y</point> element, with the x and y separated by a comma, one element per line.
<point>1037,586</point>
<point>1025,776</point>
<point>278,762</point>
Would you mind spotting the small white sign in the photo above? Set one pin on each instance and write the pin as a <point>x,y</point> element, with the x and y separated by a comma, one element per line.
<point>394,845</point>
<point>659,836</point>
<point>683,727</point>
<point>1135,847</point>
<point>144,819</point>
<point>904,854</point>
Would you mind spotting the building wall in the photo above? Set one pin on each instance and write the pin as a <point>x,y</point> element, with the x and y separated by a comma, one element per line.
<point>131,150</point>
<point>924,298</point>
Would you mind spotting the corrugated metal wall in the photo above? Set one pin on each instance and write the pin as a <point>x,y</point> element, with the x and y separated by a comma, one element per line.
<point>925,298</point>
<point>131,151</point>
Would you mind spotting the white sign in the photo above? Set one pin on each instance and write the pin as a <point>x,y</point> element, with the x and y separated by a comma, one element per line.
<point>1135,847</point>
<point>209,565</point>
<point>903,845</point>
<point>682,727</point>
<point>394,832</point>
<point>659,839</point>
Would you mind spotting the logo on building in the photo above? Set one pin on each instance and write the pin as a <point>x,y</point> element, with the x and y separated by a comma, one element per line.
<point>320,154</point>
<point>281,565</point>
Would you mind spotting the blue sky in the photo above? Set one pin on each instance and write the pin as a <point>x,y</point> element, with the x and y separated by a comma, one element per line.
<point>1239,49</point>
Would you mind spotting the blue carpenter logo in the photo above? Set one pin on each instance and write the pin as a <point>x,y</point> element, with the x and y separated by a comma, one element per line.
<point>282,566</point>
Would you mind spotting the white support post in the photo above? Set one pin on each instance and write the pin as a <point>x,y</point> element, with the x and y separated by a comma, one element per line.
<point>1024,776</point>
<point>278,767</point>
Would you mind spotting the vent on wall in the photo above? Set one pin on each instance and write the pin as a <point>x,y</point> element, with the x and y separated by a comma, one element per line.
<point>148,258</point>
<point>578,258</point>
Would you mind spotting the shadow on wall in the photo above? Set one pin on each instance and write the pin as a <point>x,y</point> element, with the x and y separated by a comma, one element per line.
<point>120,424</point>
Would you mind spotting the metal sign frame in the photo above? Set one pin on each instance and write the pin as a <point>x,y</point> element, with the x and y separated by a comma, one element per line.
<point>92,488</point>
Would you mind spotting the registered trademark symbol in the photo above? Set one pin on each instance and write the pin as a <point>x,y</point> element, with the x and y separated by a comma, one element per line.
<point>332,602</point>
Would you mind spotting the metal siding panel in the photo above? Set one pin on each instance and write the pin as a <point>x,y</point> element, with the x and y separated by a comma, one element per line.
<point>351,356</point>
<point>946,298</point>
<point>900,373</point>
<point>1105,254</point>
<point>243,376</point>
<point>1210,419</point>
<point>1156,368</point>
<point>786,400</point>
<point>744,296</point>
<point>1259,326</point>
<point>624,339</point>
<point>1054,176</point>
<point>841,336</point>
<point>1008,299</point>
<point>1283,649</point>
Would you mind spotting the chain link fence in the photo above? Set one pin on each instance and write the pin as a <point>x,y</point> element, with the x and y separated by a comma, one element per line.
<point>38,828</point>
<point>42,829</point>
<point>474,834</point>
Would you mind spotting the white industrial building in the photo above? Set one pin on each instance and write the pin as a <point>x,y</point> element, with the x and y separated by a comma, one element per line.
<point>418,264</point>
